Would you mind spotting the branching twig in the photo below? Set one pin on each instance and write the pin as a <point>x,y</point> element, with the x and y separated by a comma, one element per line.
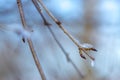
<point>30,42</point>
<point>81,49</point>
<point>46,23</point>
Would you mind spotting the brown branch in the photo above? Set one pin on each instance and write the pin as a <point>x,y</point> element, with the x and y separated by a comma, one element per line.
<point>80,48</point>
<point>30,42</point>
<point>46,23</point>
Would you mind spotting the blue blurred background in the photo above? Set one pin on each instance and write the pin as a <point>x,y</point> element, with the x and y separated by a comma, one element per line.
<point>90,21</point>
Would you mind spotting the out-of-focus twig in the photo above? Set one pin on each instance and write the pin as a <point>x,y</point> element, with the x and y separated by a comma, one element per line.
<point>30,42</point>
<point>11,67</point>
<point>40,12</point>
<point>46,23</point>
<point>65,53</point>
<point>80,48</point>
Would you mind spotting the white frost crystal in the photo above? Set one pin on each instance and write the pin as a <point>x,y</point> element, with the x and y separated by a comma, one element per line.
<point>92,63</point>
<point>86,45</point>
<point>17,29</point>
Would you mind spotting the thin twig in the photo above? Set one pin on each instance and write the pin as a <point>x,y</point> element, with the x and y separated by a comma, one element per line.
<point>46,23</point>
<point>40,11</point>
<point>65,53</point>
<point>30,42</point>
<point>80,48</point>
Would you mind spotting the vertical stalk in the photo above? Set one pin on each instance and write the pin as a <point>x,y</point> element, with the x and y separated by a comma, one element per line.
<point>30,42</point>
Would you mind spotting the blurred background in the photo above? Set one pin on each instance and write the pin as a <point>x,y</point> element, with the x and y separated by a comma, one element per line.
<point>96,22</point>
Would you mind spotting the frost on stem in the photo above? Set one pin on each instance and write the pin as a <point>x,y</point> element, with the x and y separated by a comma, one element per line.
<point>18,30</point>
<point>38,65</point>
<point>22,32</point>
<point>92,63</point>
<point>88,47</point>
<point>25,34</point>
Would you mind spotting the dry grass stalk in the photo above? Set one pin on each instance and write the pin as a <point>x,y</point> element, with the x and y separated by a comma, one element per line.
<point>55,38</point>
<point>30,42</point>
<point>80,48</point>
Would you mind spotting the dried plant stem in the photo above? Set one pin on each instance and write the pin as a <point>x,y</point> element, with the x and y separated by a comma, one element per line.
<point>80,48</point>
<point>36,60</point>
<point>65,53</point>
<point>30,42</point>
<point>59,23</point>
<point>55,38</point>
<point>40,11</point>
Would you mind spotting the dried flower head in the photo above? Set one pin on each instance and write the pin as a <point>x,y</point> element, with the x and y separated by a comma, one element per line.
<point>83,48</point>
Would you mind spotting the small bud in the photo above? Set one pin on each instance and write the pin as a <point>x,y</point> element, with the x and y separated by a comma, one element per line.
<point>82,56</point>
<point>47,23</point>
<point>23,39</point>
<point>93,49</point>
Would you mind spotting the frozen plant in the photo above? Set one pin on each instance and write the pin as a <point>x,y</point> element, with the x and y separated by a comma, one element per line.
<point>18,30</point>
<point>80,48</point>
